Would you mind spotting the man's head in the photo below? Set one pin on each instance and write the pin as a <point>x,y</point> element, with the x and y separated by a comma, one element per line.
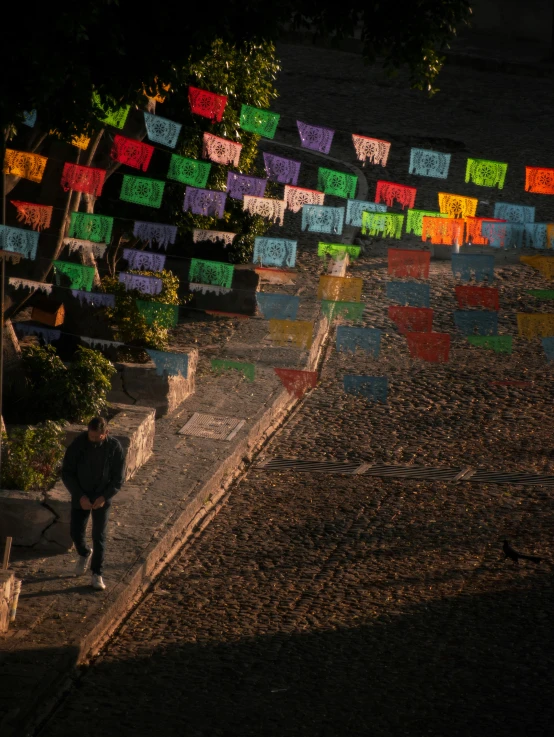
<point>97,430</point>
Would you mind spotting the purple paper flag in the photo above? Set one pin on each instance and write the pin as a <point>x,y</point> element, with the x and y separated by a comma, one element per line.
<point>146,284</point>
<point>315,137</point>
<point>144,260</point>
<point>281,170</point>
<point>158,233</point>
<point>239,184</point>
<point>204,202</point>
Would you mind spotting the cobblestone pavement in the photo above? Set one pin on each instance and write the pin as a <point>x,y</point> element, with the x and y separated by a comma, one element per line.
<point>329,605</point>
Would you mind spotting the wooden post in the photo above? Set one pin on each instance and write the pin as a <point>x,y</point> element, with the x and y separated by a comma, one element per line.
<point>7,551</point>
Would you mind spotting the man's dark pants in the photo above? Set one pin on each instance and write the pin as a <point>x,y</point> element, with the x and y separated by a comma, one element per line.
<point>79,519</point>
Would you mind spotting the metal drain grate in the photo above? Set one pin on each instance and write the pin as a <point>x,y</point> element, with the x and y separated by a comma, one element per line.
<point>211,426</point>
<point>518,477</point>
<point>292,464</point>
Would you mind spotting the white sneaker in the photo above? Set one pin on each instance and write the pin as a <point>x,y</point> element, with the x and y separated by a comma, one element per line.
<point>97,582</point>
<point>82,564</point>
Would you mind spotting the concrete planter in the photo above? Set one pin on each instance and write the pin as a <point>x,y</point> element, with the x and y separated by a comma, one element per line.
<point>42,518</point>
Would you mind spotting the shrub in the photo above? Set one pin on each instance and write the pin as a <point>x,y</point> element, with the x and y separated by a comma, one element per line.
<point>32,456</point>
<point>88,383</point>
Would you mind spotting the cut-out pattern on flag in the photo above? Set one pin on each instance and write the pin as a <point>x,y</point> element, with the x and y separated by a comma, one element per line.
<point>514,213</point>
<point>371,149</point>
<point>486,173</point>
<point>537,325</point>
<point>211,272</point>
<point>391,192</point>
<point>143,260</point>
<point>473,232</point>
<point>130,152</point>
<point>299,332</point>
<point>278,169</point>
<point>165,316</point>
<point>404,262</point>
<point>80,277</point>
<point>239,184</point>
<point>536,235</point>
<point>103,344</point>
<point>25,165</point>
<point>30,119</point>
<point>366,339</point>
<point>116,117</point>
<point>48,335</point>
<point>90,227</point>
<point>81,142</point>
<point>414,220</point>
<point>541,293</point>
<point>297,197</point>
<point>18,240</point>
<point>278,306</point>
<point>412,319</point>
<point>274,252</point>
<point>29,284</point>
<point>188,171</point>
<point>410,294</point>
<point>142,191</point>
<point>37,216</point>
<point>337,251</point>
<point>387,224</point>
<point>342,310</point>
<point>356,208</point>
<point>503,235</point>
<point>315,137</point>
<point>544,264</point>
<point>221,150</point>
<point>457,206</point>
<point>323,219</point>
<point>429,163</point>
<point>210,289</point>
<point>336,183</point>
<point>158,233</point>
<point>480,265</point>
<point>480,322</point>
<point>448,231</point>
<point>297,382</point>
<point>548,346</point>
<point>486,297</point>
<point>340,288</point>
<point>171,364</point>
<point>207,104</point>
<point>496,343</point>
<point>373,388</point>
<point>538,179</point>
<point>83,179</point>
<point>262,122</point>
<point>94,299</point>
<point>90,248</point>
<point>200,234</point>
<point>161,130</point>
<point>273,210</point>
<point>140,282</point>
<point>248,370</point>
<point>205,202</point>
<point>432,347</point>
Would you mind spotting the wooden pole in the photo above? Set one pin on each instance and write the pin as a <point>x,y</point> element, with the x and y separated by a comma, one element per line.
<point>2,279</point>
<point>7,551</point>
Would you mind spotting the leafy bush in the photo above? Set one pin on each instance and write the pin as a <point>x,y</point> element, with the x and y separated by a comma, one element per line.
<point>131,326</point>
<point>32,456</point>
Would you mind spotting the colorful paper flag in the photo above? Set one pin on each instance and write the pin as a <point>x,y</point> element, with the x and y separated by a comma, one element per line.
<point>336,183</point>
<point>391,192</point>
<point>20,241</point>
<point>503,235</point>
<point>211,272</point>
<point>404,262</point>
<point>486,297</point>
<point>247,369</point>
<point>323,219</point>
<point>374,388</point>
<point>514,213</point>
<point>277,306</point>
<point>87,226</point>
<point>130,152</point>
<point>481,265</point>
<point>25,165</point>
<point>356,208</point>
<point>141,283</point>
<point>142,191</point>
<point>80,277</point>
<point>297,382</point>
<point>481,322</point>
<point>337,251</point>
<point>486,173</point>
<point>340,288</point>
<point>409,294</point>
<point>221,150</point>
<point>536,235</point>
<point>366,339</point>
<point>155,233</point>
<point>457,206</point>
<point>37,216</point>
<point>297,197</point>
<point>548,346</point>
<point>116,117</point>
<point>170,364</point>
<point>161,130</point>
<point>342,310</point>
<point>273,210</point>
<point>388,224</point>
<point>261,122</point>
<point>432,347</point>
<point>205,202</point>
<point>412,319</point>
<point>446,231</point>
<point>414,220</point>
<point>497,343</point>
<point>299,332</point>
<point>239,184</point>
<point>143,260</point>
<point>429,163</point>
<point>314,137</point>
<point>275,252</point>
<point>473,230</point>
<point>371,149</point>
<point>83,179</point>
<point>207,104</point>
<point>539,179</point>
<point>281,170</point>
<point>200,234</point>
<point>188,171</point>
<point>537,325</point>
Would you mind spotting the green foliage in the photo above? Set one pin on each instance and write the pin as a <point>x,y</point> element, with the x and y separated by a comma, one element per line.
<point>32,456</point>
<point>130,325</point>
<point>88,383</point>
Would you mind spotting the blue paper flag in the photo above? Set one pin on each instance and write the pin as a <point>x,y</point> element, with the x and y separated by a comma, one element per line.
<point>277,306</point>
<point>536,235</point>
<point>476,322</point>
<point>548,345</point>
<point>411,294</point>
<point>514,213</point>
<point>503,235</point>
<point>371,387</point>
<point>172,364</point>
<point>274,252</point>
<point>30,118</point>
<point>355,208</point>
<point>162,130</point>
<point>464,264</point>
<point>18,240</point>
<point>366,339</point>
<point>49,335</point>
<point>429,163</point>
<point>323,219</point>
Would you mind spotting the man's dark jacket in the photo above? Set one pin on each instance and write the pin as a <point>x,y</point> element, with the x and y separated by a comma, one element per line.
<point>76,471</point>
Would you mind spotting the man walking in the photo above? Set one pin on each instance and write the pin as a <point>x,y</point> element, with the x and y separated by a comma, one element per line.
<point>93,472</point>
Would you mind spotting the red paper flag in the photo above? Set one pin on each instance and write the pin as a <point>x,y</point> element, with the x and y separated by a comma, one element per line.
<point>37,216</point>
<point>432,347</point>
<point>486,297</point>
<point>412,319</point>
<point>83,179</point>
<point>539,179</point>
<point>448,231</point>
<point>132,153</point>
<point>405,262</point>
<point>390,192</point>
<point>207,104</point>
<point>297,382</point>
<point>473,230</point>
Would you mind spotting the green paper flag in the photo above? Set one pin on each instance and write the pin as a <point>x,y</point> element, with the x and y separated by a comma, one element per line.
<point>337,251</point>
<point>497,343</point>
<point>337,183</point>
<point>109,116</point>
<point>211,272</point>
<point>347,310</point>
<point>189,171</point>
<point>248,369</point>
<point>486,173</point>
<point>142,191</point>
<point>165,316</point>
<point>389,224</point>
<point>414,221</point>
<point>255,120</point>
<point>541,293</point>
<point>80,277</point>
<point>89,227</point>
